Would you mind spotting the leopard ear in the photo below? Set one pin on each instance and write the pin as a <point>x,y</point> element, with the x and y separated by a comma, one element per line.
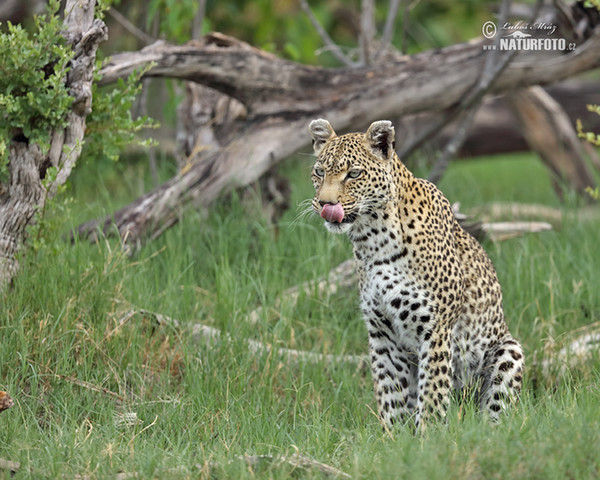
<point>380,138</point>
<point>320,131</point>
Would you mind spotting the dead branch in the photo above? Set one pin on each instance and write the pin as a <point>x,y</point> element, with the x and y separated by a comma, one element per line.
<point>467,107</point>
<point>330,45</point>
<point>367,31</point>
<point>130,27</point>
<point>199,19</point>
<point>388,29</point>
<point>495,128</point>
<point>200,333</point>
<point>499,231</point>
<point>454,144</point>
<point>429,81</point>
<point>296,460</point>
<point>466,110</point>
<point>580,346</point>
<point>521,211</point>
<point>118,476</point>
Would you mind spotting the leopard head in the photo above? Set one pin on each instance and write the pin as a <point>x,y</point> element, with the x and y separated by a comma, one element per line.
<point>353,173</point>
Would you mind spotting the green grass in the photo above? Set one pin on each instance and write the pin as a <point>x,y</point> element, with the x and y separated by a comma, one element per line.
<point>506,178</point>
<point>200,406</point>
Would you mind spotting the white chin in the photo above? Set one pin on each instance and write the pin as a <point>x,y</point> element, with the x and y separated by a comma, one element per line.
<point>337,227</point>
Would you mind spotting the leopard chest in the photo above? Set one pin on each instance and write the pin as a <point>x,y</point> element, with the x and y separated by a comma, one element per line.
<point>395,303</point>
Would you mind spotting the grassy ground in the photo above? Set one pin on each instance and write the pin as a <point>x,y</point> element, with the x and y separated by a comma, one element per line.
<point>77,365</point>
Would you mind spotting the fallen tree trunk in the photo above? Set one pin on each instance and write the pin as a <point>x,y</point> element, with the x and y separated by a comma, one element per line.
<point>494,130</point>
<point>281,97</point>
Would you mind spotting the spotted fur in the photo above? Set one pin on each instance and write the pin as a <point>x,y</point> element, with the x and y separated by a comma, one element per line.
<point>429,294</point>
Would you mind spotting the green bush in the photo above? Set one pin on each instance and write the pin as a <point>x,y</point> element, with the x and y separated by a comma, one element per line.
<point>35,99</point>
<point>33,95</point>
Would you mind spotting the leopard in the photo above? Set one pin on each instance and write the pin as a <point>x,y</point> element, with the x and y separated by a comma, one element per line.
<point>429,294</point>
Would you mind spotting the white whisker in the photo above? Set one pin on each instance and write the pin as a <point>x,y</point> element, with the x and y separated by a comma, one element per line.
<point>305,210</point>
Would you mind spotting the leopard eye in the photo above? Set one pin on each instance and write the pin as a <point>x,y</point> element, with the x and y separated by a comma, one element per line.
<point>319,172</point>
<point>354,173</point>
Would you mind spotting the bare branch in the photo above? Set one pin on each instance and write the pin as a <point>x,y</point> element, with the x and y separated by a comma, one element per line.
<point>452,146</point>
<point>583,345</point>
<point>199,19</point>
<point>327,40</point>
<point>388,29</point>
<point>130,27</point>
<point>500,231</point>
<point>367,31</point>
<point>405,19</point>
<point>211,335</point>
<point>519,211</point>
<point>469,102</point>
<point>491,70</point>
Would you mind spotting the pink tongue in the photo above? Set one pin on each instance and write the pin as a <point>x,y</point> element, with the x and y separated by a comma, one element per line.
<point>333,213</point>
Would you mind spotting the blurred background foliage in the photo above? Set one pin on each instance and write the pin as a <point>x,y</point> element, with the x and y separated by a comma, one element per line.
<point>282,27</point>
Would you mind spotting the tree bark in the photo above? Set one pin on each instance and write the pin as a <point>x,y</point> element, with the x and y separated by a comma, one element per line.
<point>548,131</point>
<point>25,193</point>
<point>281,97</point>
<point>494,130</point>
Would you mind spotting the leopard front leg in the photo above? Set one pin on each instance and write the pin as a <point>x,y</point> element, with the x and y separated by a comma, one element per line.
<point>435,373</point>
<point>394,377</point>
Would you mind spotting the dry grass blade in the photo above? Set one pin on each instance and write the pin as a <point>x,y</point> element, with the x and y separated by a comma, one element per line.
<point>91,386</point>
